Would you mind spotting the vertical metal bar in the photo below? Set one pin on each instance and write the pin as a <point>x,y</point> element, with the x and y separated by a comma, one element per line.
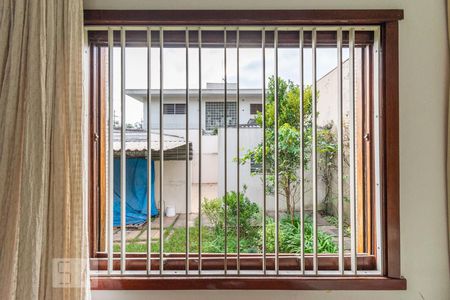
<point>225,147</point>
<point>187,151</point>
<point>199,152</point>
<point>352,149</point>
<point>302,154</point>
<point>110,152</point>
<point>376,125</point>
<point>263,44</point>
<point>149,154</point>
<point>123,157</point>
<point>277,198</point>
<point>161,151</point>
<point>238,246</point>
<point>340,153</point>
<point>314,145</point>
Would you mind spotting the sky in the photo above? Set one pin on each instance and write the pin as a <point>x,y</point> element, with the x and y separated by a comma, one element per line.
<point>174,71</point>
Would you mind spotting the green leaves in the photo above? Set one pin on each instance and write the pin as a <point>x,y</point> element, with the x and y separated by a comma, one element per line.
<point>289,138</point>
<point>251,231</point>
<point>249,218</point>
<point>290,233</point>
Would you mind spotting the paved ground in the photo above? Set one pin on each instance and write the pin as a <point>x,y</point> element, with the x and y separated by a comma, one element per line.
<point>139,234</point>
<point>332,230</point>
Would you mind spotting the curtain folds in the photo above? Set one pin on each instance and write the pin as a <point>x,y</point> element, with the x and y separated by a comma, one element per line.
<point>42,191</point>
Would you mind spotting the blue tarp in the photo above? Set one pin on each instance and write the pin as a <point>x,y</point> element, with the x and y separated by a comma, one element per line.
<point>136,185</point>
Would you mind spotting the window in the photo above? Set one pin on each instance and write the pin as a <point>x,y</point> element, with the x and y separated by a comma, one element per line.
<point>215,115</point>
<point>327,143</point>
<point>255,108</point>
<point>174,108</point>
<point>255,167</point>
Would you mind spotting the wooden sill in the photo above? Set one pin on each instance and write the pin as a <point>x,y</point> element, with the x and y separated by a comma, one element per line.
<point>138,262</point>
<point>247,283</point>
<point>249,261</point>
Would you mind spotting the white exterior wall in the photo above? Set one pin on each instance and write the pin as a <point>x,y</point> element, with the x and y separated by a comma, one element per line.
<point>327,87</point>
<point>174,184</point>
<point>209,154</point>
<point>174,173</point>
<point>249,138</point>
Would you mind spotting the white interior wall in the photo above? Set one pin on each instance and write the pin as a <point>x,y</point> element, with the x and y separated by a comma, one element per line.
<point>423,106</point>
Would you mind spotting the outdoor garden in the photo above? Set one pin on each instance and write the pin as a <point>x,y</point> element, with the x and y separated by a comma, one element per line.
<point>216,228</point>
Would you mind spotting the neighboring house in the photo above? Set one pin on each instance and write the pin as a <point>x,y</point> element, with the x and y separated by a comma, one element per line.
<point>174,111</point>
<point>212,106</point>
<point>213,136</point>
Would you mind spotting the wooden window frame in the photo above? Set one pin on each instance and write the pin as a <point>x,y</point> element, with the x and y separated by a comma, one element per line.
<point>389,144</point>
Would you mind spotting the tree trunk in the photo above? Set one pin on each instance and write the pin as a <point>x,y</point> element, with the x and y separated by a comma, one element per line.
<point>289,202</point>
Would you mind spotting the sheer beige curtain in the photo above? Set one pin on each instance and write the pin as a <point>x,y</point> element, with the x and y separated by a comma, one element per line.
<point>42,207</point>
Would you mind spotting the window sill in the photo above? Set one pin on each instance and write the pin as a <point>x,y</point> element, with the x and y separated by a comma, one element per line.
<point>247,283</point>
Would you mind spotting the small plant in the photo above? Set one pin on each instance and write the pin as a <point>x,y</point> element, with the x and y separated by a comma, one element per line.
<point>249,219</point>
<point>289,236</point>
<point>327,148</point>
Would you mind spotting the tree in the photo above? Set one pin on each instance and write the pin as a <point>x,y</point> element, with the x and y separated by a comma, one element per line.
<point>288,140</point>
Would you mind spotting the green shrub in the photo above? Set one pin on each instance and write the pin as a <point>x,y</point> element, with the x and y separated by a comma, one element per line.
<point>249,219</point>
<point>251,231</point>
<point>289,236</point>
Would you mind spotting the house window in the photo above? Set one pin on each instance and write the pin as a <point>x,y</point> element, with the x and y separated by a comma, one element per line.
<point>255,167</point>
<point>169,203</point>
<point>255,108</point>
<point>174,108</point>
<point>215,115</point>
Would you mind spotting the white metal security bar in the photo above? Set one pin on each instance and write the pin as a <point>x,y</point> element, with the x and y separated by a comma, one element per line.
<point>149,153</point>
<point>352,148</point>
<point>225,158</point>
<point>263,46</point>
<point>340,155</point>
<point>302,153</point>
<point>187,153</point>
<point>200,152</point>
<point>161,151</point>
<point>190,259</point>
<point>277,195</point>
<point>123,161</point>
<point>314,146</point>
<point>238,265</point>
<point>110,152</point>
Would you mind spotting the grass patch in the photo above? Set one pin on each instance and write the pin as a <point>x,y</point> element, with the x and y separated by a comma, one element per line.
<point>212,242</point>
<point>174,241</point>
